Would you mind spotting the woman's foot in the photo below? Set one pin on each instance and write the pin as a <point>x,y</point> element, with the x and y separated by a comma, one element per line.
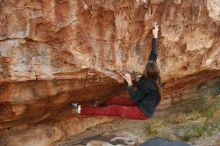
<point>76,107</point>
<point>94,103</point>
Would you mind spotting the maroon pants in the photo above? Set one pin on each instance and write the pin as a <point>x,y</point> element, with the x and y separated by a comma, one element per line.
<point>116,106</point>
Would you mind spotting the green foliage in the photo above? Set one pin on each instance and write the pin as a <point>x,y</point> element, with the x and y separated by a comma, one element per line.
<point>151,129</point>
<point>187,120</point>
<point>193,133</point>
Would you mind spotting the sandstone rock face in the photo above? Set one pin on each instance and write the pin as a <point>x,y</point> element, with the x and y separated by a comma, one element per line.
<point>52,52</point>
<point>214,9</point>
<point>48,134</point>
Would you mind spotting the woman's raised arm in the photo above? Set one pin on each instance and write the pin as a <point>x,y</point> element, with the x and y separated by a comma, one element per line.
<point>153,53</point>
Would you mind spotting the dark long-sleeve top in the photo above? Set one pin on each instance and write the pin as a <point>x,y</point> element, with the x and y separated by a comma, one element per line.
<point>153,53</point>
<point>147,95</point>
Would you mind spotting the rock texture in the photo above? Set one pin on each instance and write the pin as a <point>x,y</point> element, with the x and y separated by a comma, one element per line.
<point>52,52</point>
<point>49,133</point>
<point>114,139</point>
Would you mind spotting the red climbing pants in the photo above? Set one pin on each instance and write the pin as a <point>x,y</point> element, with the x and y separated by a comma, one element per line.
<point>116,106</point>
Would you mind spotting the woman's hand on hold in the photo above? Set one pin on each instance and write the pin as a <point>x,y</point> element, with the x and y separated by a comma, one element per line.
<point>127,77</point>
<point>155,30</point>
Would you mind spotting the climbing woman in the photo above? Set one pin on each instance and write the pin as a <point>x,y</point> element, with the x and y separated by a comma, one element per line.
<point>142,103</point>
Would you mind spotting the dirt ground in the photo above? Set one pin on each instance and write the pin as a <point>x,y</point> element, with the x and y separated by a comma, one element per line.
<point>195,122</point>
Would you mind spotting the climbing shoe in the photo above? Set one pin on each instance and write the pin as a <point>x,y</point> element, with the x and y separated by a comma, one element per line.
<point>76,107</point>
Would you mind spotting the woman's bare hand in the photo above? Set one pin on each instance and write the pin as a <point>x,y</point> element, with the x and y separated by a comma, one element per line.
<point>127,77</point>
<point>155,30</point>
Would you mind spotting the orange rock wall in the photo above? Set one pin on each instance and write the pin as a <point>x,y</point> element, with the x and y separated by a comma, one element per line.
<point>52,52</point>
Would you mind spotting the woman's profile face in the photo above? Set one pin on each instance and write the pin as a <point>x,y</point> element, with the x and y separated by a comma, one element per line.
<point>137,77</point>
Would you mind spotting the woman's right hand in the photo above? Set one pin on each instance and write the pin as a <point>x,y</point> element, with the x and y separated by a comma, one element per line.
<point>127,77</point>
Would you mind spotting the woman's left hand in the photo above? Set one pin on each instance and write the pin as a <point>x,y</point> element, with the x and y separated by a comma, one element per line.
<point>127,77</point>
